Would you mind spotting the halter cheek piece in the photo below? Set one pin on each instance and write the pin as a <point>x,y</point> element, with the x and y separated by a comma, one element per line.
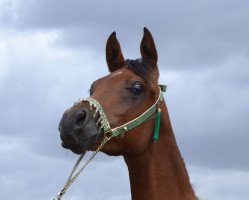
<point>120,130</point>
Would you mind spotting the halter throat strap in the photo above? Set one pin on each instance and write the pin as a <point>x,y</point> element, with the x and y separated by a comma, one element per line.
<point>120,130</point>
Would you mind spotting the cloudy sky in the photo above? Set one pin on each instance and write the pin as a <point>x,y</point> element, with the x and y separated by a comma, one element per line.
<point>51,51</point>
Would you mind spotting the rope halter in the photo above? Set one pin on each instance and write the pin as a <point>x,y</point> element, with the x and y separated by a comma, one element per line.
<point>113,132</point>
<point>120,130</point>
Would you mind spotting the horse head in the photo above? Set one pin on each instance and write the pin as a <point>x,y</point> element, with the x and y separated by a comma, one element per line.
<point>124,94</point>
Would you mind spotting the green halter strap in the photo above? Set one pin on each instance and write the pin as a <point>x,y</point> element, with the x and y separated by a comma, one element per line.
<point>120,130</point>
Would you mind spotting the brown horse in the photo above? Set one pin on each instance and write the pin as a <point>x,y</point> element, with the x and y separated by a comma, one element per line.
<point>156,168</point>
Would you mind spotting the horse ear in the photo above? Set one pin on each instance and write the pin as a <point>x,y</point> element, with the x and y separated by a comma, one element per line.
<point>147,46</point>
<point>114,56</point>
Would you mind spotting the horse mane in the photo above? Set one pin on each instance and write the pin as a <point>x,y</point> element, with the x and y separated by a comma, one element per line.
<point>141,67</point>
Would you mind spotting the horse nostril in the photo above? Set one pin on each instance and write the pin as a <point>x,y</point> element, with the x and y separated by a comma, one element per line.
<point>80,118</point>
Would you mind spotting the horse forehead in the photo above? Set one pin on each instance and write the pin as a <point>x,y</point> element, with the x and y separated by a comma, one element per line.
<point>120,74</point>
<point>114,74</point>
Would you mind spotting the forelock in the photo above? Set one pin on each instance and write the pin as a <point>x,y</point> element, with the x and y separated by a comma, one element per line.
<point>141,67</point>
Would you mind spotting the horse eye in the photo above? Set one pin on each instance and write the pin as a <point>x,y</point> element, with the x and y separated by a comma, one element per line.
<point>137,88</point>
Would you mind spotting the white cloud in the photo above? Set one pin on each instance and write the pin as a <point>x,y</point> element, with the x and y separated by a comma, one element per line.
<point>220,184</point>
<point>39,80</point>
<point>42,176</point>
<point>209,113</point>
<point>9,11</point>
<point>192,35</point>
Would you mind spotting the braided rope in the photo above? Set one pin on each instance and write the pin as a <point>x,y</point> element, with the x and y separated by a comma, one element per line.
<point>72,178</point>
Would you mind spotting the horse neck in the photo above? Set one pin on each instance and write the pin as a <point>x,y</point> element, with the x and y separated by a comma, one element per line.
<point>159,173</point>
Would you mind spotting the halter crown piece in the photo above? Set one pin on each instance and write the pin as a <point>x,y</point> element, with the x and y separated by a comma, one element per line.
<point>114,132</point>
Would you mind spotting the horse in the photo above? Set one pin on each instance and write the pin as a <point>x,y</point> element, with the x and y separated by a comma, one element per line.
<point>126,106</point>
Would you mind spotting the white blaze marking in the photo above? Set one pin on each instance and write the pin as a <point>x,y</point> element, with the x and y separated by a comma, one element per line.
<point>116,73</point>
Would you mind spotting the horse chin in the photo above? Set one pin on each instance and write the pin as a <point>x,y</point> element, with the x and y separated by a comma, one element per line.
<point>74,148</point>
<point>82,147</point>
<point>79,151</point>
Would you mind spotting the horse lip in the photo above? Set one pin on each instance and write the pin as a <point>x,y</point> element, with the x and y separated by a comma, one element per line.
<point>79,151</point>
<point>77,148</point>
<point>80,147</point>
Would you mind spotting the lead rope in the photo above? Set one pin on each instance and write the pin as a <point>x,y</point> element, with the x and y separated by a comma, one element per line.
<point>72,178</point>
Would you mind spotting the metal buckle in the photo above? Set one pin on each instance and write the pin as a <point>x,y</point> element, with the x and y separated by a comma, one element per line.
<point>108,134</point>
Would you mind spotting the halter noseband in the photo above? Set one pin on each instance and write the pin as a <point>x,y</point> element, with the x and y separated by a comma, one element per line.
<point>120,130</point>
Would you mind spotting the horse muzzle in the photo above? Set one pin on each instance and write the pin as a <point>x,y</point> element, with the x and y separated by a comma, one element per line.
<point>78,130</point>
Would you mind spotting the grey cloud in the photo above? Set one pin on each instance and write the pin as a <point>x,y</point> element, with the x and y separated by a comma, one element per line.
<point>190,35</point>
<point>213,182</point>
<point>203,57</point>
<point>209,114</point>
<point>30,175</point>
<point>39,85</point>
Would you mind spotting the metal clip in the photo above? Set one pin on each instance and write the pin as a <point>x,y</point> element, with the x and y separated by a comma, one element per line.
<point>108,134</point>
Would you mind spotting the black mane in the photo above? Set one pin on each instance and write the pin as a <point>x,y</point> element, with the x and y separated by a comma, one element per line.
<point>141,67</point>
